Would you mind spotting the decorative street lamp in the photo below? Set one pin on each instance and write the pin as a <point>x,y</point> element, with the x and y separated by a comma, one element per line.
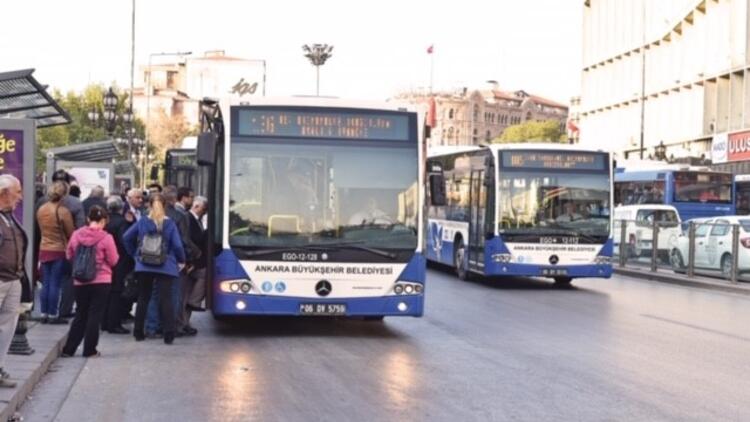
<point>317,54</point>
<point>110,117</point>
<point>660,151</point>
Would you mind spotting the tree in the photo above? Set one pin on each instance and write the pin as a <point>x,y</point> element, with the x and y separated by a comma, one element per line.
<point>81,130</point>
<point>167,132</point>
<point>546,131</point>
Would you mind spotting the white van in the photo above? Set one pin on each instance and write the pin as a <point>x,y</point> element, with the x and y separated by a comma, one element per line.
<point>639,220</point>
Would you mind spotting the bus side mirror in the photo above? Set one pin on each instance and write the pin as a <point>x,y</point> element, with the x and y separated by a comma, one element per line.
<point>205,152</point>
<point>489,176</point>
<point>437,190</point>
<point>154,172</point>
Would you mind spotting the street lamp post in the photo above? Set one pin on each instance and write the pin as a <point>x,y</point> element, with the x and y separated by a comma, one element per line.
<point>148,104</point>
<point>317,54</point>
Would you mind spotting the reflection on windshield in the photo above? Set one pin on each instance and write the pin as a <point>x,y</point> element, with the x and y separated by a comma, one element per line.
<point>545,203</point>
<point>287,195</point>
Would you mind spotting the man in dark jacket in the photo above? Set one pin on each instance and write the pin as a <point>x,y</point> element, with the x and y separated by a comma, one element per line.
<point>117,227</point>
<point>96,197</point>
<point>194,289</point>
<point>13,243</point>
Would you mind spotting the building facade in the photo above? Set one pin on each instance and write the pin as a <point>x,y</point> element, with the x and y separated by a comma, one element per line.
<point>176,88</point>
<point>657,72</point>
<point>470,117</point>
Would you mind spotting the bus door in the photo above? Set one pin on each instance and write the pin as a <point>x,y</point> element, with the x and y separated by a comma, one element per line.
<point>476,220</point>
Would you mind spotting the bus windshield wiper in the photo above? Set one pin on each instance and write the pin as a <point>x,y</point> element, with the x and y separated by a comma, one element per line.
<point>357,244</point>
<point>321,247</point>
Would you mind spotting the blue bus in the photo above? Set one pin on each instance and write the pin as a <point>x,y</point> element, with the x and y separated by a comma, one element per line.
<point>521,210</point>
<point>694,192</point>
<point>316,209</point>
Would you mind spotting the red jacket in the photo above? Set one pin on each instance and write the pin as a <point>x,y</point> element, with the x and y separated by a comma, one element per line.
<point>106,252</point>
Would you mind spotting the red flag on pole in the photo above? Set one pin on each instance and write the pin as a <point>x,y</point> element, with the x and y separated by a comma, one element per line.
<point>430,49</point>
<point>432,113</point>
<point>572,126</point>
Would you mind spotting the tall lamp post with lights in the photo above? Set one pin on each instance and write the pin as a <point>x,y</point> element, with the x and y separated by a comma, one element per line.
<point>318,54</point>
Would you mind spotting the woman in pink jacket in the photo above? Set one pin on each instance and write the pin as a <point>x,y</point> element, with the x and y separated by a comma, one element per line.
<point>91,296</point>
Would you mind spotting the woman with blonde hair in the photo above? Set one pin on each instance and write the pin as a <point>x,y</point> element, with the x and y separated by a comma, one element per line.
<point>56,226</point>
<point>154,242</point>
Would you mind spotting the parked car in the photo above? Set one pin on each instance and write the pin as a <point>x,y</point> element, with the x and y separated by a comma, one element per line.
<point>713,245</point>
<point>639,226</point>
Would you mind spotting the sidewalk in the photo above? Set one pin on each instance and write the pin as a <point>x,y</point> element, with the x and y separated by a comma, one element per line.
<point>47,341</point>
<point>668,276</point>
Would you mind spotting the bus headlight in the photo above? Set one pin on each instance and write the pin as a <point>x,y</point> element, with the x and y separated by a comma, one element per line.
<point>501,257</point>
<point>236,286</point>
<point>603,260</point>
<point>407,288</point>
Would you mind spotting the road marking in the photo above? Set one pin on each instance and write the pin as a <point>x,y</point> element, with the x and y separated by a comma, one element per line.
<point>696,327</point>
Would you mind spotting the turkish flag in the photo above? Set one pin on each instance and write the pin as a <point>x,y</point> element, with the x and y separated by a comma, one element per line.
<point>572,126</point>
<point>430,49</point>
<point>432,114</point>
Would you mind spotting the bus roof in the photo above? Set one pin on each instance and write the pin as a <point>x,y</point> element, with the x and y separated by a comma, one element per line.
<point>446,150</point>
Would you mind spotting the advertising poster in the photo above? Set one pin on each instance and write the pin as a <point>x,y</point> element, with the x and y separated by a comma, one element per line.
<point>11,159</point>
<point>89,177</point>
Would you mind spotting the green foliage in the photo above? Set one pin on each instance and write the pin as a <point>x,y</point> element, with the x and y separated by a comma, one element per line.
<point>81,130</point>
<point>546,131</point>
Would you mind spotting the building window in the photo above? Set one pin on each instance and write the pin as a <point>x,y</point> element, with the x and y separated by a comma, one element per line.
<point>450,114</point>
<point>528,115</point>
<point>476,112</point>
<point>487,138</point>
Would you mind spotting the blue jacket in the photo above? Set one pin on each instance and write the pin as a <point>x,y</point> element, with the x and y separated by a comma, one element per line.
<point>170,235</point>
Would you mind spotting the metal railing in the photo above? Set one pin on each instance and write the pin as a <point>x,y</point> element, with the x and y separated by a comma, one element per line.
<point>708,249</point>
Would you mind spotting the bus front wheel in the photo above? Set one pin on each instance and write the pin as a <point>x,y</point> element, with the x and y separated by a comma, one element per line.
<point>563,281</point>
<point>459,259</point>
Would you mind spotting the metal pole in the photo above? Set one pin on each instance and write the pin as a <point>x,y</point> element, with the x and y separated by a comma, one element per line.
<point>317,81</point>
<point>148,124</point>
<point>623,249</point>
<point>735,252</point>
<point>643,73</point>
<point>131,129</point>
<point>691,250</point>
<point>264,78</point>
<point>654,245</point>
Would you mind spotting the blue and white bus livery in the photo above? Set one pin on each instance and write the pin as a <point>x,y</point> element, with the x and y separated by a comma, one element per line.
<point>521,210</point>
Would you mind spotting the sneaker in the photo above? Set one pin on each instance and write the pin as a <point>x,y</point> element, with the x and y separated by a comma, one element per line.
<point>189,331</point>
<point>94,355</point>
<point>6,383</point>
<point>58,321</point>
<point>194,308</point>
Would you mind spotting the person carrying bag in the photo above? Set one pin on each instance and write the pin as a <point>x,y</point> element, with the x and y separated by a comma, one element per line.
<point>154,242</point>
<point>92,254</point>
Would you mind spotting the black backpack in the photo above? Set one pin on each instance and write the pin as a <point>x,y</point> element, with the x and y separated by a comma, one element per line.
<point>84,263</point>
<point>153,251</point>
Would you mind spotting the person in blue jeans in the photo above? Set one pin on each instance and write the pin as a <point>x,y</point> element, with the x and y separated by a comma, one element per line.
<point>56,226</point>
<point>150,275</point>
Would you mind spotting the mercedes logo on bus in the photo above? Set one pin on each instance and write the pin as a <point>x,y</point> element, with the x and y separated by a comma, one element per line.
<point>554,259</point>
<point>323,288</point>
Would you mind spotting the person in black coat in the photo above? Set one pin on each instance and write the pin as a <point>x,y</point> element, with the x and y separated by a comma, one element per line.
<point>96,197</point>
<point>117,226</point>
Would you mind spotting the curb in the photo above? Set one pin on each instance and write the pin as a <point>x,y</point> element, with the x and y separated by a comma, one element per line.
<point>47,341</point>
<point>683,280</point>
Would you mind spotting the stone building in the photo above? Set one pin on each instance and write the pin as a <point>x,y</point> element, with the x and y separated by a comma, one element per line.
<point>474,116</point>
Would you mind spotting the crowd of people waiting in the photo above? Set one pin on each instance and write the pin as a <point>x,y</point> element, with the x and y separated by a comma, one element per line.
<point>106,254</point>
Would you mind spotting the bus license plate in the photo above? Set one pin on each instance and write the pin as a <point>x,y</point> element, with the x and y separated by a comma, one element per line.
<point>323,309</point>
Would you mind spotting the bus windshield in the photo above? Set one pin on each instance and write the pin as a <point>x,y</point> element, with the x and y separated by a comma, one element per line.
<point>549,203</point>
<point>702,187</point>
<point>293,194</point>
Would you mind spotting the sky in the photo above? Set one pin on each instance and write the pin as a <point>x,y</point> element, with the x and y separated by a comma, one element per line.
<point>379,47</point>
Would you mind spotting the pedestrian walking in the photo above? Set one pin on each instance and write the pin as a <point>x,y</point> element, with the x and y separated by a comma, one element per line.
<point>13,243</point>
<point>154,242</point>
<point>56,226</point>
<point>195,289</point>
<point>93,253</point>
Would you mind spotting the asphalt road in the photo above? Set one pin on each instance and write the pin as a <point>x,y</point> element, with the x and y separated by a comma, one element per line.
<point>618,349</point>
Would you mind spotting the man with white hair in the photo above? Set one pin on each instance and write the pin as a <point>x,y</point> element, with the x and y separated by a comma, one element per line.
<point>96,197</point>
<point>13,243</point>
<point>195,291</point>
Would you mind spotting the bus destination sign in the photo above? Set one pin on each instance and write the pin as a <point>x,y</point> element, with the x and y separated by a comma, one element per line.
<point>323,124</point>
<point>554,160</point>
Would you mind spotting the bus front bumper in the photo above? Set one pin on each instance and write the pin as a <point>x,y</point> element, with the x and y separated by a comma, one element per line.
<point>533,270</point>
<point>226,304</point>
